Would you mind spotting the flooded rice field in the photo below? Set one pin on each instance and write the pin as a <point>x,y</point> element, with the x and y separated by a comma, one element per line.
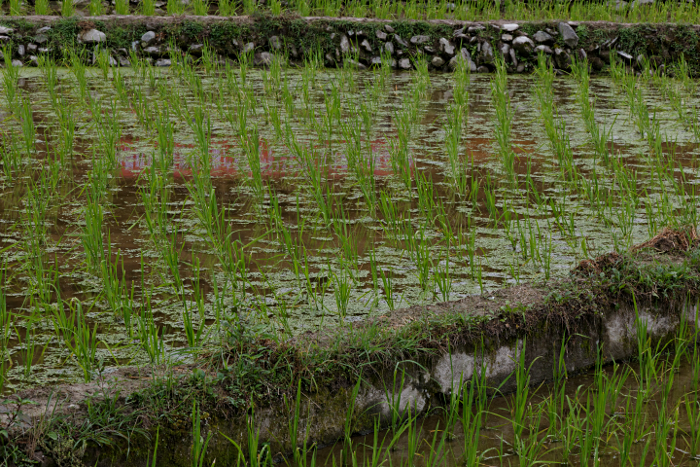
<point>645,414</point>
<point>143,210</point>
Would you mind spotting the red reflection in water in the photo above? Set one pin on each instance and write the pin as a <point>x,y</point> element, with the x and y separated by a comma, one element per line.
<point>274,164</point>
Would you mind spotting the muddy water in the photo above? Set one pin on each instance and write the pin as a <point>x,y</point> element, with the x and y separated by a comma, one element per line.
<point>557,445</point>
<point>334,282</point>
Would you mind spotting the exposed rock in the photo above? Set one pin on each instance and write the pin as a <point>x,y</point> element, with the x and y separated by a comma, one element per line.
<point>447,47</point>
<point>123,61</point>
<point>249,47</point>
<point>419,39</point>
<point>17,63</point>
<point>505,49</point>
<point>33,61</point>
<point>486,53</point>
<point>462,56</point>
<point>195,49</point>
<point>263,59</point>
<point>375,61</point>
<point>541,36</point>
<point>400,41</point>
<point>544,48</point>
<point>562,59</point>
<point>355,64</point>
<point>43,30</point>
<point>389,47</point>
<point>568,34</point>
<point>405,64</point>
<point>506,38</point>
<point>482,69</point>
<point>275,43</point>
<point>381,35</point>
<point>41,39</point>
<point>163,62</point>
<point>513,58</point>
<point>389,29</point>
<point>344,44</point>
<point>93,35</point>
<point>510,27</point>
<point>473,29</point>
<point>366,45</point>
<point>520,68</point>
<point>581,55</point>
<point>437,61</point>
<point>20,50</point>
<point>523,45</point>
<point>6,30</point>
<point>147,38</point>
<point>153,51</point>
<point>43,50</point>
<point>625,56</point>
<point>31,48</point>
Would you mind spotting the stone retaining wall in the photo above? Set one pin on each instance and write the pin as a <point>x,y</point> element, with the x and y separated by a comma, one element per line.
<point>357,42</point>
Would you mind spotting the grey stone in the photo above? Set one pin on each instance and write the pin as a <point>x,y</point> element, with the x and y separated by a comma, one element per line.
<point>31,48</point>
<point>640,61</point>
<point>355,64</point>
<point>523,45</point>
<point>195,49</point>
<point>366,45</point>
<point>41,39</point>
<point>505,49</point>
<point>43,50</point>
<point>405,64</point>
<point>562,59</point>
<point>437,62</point>
<point>581,55</point>
<point>400,41</point>
<point>462,56</point>
<point>429,49</point>
<point>544,48</point>
<point>376,61</point>
<point>419,39</point>
<point>93,35</point>
<point>43,30</point>
<point>6,30</point>
<point>520,68</point>
<point>447,47</point>
<point>153,51</point>
<point>163,62</point>
<point>506,38</point>
<point>482,69</point>
<point>389,29</point>
<point>510,27</point>
<point>17,63</point>
<point>2,56</point>
<point>275,43</point>
<point>20,50</point>
<point>33,60</point>
<point>123,61</point>
<point>113,62</point>
<point>381,35</point>
<point>344,44</point>
<point>568,34</point>
<point>249,47</point>
<point>389,47</point>
<point>513,58</point>
<point>477,28</point>
<point>625,55</point>
<point>487,53</point>
<point>263,59</point>
<point>147,38</point>
<point>541,36</point>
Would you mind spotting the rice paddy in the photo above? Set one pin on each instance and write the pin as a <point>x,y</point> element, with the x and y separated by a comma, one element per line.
<point>143,208</point>
<point>479,10</point>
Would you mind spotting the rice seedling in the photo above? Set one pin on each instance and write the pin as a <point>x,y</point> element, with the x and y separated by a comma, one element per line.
<point>41,7</point>
<point>503,116</point>
<point>67,8</point>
